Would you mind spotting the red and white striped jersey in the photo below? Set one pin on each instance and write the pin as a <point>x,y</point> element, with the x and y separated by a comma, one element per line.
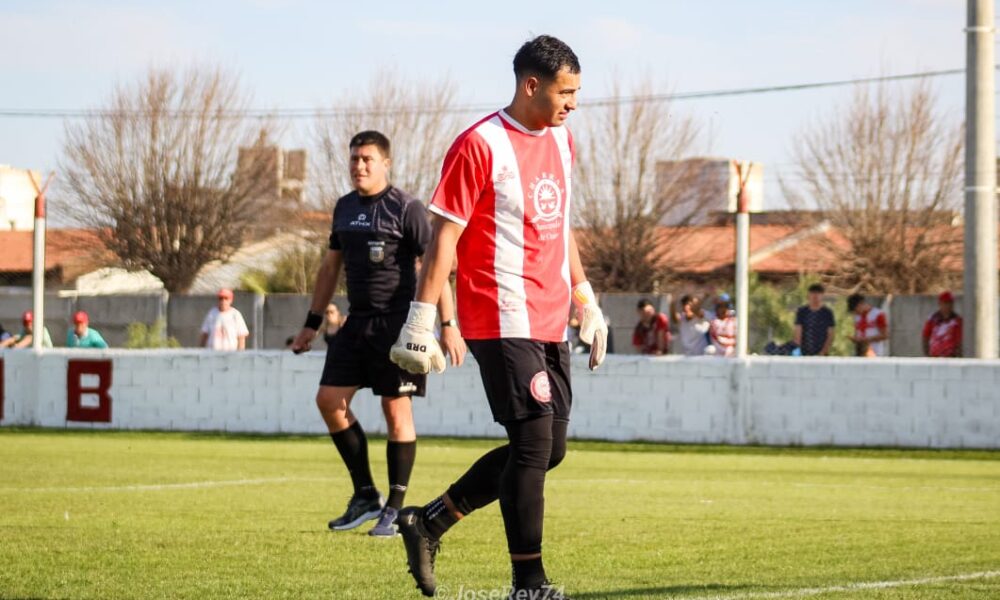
<point>510,188</point>
<point>872,324</point>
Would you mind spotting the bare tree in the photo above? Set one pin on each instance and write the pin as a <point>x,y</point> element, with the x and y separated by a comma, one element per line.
<point>621,204</point>
<point>886,172</point>
<point>154,172</point>
<point>418,117</point>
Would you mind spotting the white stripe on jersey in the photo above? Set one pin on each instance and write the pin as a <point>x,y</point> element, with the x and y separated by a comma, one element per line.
<point>509,218</point>
<point>447,215</point>
<point>561,136</point>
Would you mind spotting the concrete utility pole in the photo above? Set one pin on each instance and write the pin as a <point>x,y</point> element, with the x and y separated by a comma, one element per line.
<point>38,266</point>
<point>980,185</point>
<point>742,258</point>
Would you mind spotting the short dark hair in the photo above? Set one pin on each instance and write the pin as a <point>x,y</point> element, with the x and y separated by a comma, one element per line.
<point>817,288</point>
<point>544,56</point>
<point>372,138</point>
<point>685,299</point>
<point>643,304</point>
<point>853,301</point>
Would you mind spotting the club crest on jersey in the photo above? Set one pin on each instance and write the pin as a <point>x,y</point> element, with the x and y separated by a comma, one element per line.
<point>541,387</point>
<point>376,251</point>
<point>547,196</point>
<point>505,174</point>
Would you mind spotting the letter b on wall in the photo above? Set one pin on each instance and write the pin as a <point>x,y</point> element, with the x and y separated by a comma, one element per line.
<point>87,385</point>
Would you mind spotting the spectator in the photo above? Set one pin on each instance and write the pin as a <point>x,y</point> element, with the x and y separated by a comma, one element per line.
<point>943,330</point>
<point>333,321</point>
<point>224,327</point>
<point>652,332</point>
<point>871,327</point>
<point>82,335</point>
<point>24,339</point>
<point>814,324</point>
<point>692,326</point>
<point>722,331</point>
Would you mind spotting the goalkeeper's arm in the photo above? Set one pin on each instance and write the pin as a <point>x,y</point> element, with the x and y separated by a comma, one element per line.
<point>593,327</point>
<point>416,350</point>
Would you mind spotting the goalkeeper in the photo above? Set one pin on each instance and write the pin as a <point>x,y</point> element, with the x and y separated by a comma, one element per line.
<point>502,208</point>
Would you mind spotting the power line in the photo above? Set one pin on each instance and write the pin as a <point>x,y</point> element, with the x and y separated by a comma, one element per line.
<point>308,113</point>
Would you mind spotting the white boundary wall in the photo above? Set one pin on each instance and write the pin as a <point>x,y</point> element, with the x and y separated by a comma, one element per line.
<point>772,400</point>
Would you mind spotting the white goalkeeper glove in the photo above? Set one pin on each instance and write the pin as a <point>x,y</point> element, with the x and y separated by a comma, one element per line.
<point>593,327</point>
<point>416,350</point>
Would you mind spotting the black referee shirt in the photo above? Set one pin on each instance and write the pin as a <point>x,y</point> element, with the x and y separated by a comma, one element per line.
<point>380,237</point>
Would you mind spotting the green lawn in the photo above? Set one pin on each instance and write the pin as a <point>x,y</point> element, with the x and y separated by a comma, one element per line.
<point>107,515</point>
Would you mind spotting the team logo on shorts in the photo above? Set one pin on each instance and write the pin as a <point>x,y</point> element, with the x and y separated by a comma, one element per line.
<point>541,388</point>
<point>376,251</point>
<point>547,197</point>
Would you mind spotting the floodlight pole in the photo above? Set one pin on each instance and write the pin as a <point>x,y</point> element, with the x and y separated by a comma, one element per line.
<point>742,259</point>
<point>980,304</point>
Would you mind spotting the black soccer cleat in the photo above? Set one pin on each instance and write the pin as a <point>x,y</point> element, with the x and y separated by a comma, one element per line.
<point>358,511</point>
<point>546,591</point>
<point>421,549</point>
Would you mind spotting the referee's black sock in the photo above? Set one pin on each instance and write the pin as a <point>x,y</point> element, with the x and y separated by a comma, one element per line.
<point>436,518</point>
<point>400,457</point>
<point>528,574</point>
<point>353,447</point>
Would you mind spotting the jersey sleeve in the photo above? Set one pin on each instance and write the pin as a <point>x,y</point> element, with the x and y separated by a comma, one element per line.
<point>416,227</point>
<point>206,324</point>
<point>799,314</point>
<point>334,238</point>
<point>881,322</point>
<point>241,325</point>
<point>464,176</point>
<point>928,326</point>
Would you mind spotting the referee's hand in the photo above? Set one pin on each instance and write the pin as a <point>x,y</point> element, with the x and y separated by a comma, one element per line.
<point>416,350</point>
<point>303,341</point>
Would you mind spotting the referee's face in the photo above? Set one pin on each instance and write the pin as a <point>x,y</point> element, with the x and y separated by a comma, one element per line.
<point>553,99</point>
<point>369,170</point>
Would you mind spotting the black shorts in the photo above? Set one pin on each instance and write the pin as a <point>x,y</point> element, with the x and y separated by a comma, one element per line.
<point>524,378</point>
<point>359,357</point>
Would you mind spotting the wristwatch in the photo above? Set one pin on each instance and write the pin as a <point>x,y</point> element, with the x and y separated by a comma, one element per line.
<point>449,323</point>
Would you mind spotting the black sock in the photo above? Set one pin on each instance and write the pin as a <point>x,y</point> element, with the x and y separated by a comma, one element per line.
<point>353,447</point>
<point>436,518</point>
<point>400,457</point>
<point>528,574</point>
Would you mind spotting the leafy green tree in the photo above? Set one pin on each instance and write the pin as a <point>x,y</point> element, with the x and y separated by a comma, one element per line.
<point>141,335</point>
<point>772,315</point>
<point>293,273</point>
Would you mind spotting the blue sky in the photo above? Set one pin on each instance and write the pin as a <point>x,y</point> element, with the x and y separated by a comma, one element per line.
<point>298,53</point>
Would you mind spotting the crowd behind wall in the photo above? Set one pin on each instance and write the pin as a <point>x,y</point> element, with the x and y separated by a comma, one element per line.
<point>273,318</point>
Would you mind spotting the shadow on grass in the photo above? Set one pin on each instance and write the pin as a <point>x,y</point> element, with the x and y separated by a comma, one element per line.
<point>665,591</point>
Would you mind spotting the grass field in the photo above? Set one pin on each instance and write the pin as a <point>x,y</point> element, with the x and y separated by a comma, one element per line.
<point>144,515</point>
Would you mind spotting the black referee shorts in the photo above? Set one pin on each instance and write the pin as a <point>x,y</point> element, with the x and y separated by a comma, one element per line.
<point>359,357</point>
<point>524,378</point>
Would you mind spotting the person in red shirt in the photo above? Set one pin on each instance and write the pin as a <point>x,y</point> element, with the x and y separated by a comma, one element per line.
<point>652,332</point>
<point>503,209</point>
<point>943,330</point>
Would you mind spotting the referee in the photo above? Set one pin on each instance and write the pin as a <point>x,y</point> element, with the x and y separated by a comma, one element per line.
<point>503,208</point>
<point>379,234</point>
